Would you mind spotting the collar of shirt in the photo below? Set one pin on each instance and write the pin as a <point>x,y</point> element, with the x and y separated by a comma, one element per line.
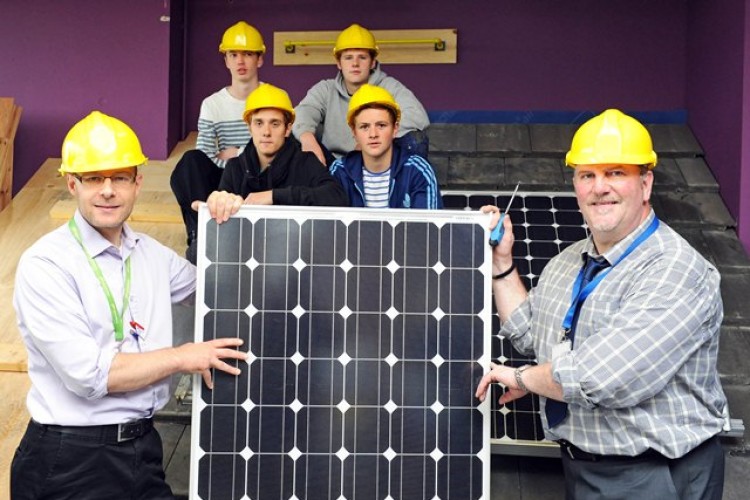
<point>614,253</point>
<point>96,244</point>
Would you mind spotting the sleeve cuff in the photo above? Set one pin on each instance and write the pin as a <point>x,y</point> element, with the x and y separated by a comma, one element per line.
<point>565,373</point>
<point>104,365</point>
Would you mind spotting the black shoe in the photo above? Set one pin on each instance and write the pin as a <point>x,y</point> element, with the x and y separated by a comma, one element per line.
<point>191,253</point>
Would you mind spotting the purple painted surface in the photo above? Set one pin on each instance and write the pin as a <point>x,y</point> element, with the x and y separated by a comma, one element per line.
<point>530,55</point>
<point>717,100</point>
<point>66,58</point>
<point>61,60</point>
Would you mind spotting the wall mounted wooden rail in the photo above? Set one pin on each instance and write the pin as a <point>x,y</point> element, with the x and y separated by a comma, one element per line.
<point>290,46</point>
<point>428,46</point>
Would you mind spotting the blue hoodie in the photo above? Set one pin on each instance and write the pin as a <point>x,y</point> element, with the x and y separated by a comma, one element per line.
<point>413,181</point>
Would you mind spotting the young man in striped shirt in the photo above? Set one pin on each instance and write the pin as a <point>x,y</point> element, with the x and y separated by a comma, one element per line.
<point>222,133</point>
<point>380,174</point>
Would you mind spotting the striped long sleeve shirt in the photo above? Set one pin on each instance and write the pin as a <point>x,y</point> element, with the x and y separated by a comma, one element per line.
<point>220,125</point>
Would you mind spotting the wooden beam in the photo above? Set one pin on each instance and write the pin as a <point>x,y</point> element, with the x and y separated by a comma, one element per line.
<point>390,53</point>
<point>13,357</point>
<point>142,211</point>
<point>10,117</point>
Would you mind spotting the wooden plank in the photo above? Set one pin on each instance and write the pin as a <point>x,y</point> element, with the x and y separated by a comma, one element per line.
<point>10,117</point>
<point>14,417</point>
<point>142,212</point>
<point>411,53</point>
<point>13,357</point>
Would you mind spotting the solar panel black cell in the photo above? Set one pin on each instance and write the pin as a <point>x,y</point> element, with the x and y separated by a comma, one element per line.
<point>367,333</point>
<point>543,225</point>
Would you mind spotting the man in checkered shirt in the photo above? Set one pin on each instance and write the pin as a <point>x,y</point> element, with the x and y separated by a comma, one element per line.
<point>626,356</point>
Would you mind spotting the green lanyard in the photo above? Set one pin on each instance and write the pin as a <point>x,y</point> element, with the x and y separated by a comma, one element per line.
<point>116,315</point>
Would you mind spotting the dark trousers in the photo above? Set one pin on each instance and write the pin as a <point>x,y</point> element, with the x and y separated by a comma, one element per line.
<point>54,465</point>
<point>699,475</point>
<point>415,142</point>
<point>194,178</point>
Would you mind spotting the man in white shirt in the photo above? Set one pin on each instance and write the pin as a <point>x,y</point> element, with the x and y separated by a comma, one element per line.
<point>93,301</point>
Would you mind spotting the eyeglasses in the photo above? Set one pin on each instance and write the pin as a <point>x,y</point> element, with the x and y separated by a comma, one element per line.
<point>118,180</point>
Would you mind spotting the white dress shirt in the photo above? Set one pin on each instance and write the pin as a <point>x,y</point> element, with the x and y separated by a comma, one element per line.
<point>65,321</point>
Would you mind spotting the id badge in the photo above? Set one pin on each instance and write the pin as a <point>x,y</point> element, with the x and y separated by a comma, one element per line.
<point>561,348</point>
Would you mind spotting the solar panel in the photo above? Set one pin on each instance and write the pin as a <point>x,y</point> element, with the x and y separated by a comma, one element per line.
<point>544,223</point>
<point>367,332</point>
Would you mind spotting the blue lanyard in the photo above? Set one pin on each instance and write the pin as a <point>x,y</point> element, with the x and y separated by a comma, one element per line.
<point>578,296</point>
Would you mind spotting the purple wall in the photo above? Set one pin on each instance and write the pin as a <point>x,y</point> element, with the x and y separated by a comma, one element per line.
<point>717,101</point>
<point>60,60</point>
<point>530,55</point>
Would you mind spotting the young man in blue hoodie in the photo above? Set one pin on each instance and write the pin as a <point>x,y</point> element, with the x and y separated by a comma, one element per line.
<point>380,174</point>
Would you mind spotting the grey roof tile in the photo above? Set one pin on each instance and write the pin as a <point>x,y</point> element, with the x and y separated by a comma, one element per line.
<point>668,175</point>
<point>475,173</point>
<point>692,208</point>
<point>735,289</point>
<point>440,164</point>
<point>697,174</point>
<point>733,355</point>
<point>551,139</point>
<point>448,137</point>
<point>507,138</point>
<point>729,254</point>
<point>736,481</point>
<point>674,140</point>
<point>538,172</point>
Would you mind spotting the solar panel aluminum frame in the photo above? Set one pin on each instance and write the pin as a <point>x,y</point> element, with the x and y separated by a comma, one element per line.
<point>440,219</point>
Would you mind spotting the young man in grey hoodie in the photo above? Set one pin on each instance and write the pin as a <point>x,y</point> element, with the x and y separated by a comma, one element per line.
<point>321,124</point>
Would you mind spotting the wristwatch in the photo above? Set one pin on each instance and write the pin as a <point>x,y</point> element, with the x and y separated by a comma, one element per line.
<point>519,380</point>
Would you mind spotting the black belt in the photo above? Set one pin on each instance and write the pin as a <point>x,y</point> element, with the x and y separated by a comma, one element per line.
<point>575,453</point>
<point>105,434</point>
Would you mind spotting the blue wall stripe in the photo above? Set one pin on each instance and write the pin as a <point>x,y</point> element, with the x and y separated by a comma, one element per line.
<point>678,116</point>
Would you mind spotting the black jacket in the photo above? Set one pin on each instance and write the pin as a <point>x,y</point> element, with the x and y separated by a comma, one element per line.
<point>296,177</point>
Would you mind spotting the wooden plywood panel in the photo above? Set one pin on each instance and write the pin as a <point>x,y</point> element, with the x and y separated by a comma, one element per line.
<point>13,357</point>
<point>10,116</point>
<point>142,212</point>
<point>292,48</point>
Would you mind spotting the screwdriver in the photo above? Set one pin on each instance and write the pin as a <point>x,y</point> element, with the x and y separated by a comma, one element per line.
<point>497,233</point>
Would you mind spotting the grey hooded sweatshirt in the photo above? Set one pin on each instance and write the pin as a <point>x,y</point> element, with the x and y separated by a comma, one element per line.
<point>323,111</point>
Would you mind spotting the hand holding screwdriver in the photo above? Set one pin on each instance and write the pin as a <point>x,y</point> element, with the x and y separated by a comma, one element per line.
<point>497,234</point>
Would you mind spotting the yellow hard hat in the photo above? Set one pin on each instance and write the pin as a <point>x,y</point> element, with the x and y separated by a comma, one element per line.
<point>355,37</point>
<point>100,142</point>
<point>611,137</point>
<point>242,36</point>
<point>371,94</point>
<point>268,96</point>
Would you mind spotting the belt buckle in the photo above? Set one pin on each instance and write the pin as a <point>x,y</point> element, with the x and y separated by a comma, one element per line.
<point>576,453</point>
<point>566,446</point>
<point>129,430</point>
